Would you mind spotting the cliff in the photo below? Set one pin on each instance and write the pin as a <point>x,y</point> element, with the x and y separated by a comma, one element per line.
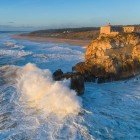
<point>112,58</point>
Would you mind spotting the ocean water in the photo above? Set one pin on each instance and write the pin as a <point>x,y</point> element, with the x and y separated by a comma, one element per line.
<point>34,107</point>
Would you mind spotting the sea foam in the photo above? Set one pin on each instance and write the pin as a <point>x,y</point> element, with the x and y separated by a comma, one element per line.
<point>14,53</point>
<point>37,88</point>
<point>12,44</point>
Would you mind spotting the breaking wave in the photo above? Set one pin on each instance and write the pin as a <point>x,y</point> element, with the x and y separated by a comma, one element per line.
<point>43,108</point>
<point>37,87</point>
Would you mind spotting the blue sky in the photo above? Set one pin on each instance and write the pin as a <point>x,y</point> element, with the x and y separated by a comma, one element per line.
<point>67,13</point>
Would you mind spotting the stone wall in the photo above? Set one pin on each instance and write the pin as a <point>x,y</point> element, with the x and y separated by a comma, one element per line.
<point>129,29</point>
<point>114,33</point>
<point>105,30</point>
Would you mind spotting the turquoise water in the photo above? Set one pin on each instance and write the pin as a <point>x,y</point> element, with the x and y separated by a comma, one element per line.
<point>105,111</point>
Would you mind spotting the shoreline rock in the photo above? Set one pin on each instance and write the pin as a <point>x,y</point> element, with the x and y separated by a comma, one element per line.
<point>110,58</point>
<point>107,59</point>
<point>76,80</point>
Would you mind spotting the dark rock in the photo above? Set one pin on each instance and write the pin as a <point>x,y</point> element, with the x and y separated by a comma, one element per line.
<point>77,84</point>
<point>57,75</point>
<point>89,77</point>
<point>79,67</point>
<point>101,80</point>
<point>77,81</point>
<point>68,75</point>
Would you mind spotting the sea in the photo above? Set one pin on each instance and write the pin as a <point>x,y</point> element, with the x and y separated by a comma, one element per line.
<point>35,107</point>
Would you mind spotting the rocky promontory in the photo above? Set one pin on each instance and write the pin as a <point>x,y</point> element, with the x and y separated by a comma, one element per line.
<point>110,58</point>
<point>107,58</point>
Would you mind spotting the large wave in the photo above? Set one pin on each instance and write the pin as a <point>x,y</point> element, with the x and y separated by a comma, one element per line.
<point>43,108</point>
<point>38,88</point>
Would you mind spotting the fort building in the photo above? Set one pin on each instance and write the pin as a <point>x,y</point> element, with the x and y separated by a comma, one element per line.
<point>129,29</point>
<point>115,30</point>
<point>108,30</point>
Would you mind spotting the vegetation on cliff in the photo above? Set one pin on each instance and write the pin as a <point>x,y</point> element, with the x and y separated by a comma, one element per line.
<point>85,33</point>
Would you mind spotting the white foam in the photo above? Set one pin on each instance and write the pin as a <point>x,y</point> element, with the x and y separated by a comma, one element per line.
<point>64,50</point>
<point>67,57</point>
<point>14,53</point>
<point>9,43</point>
<point>13,45</point>
<point>37,87</point>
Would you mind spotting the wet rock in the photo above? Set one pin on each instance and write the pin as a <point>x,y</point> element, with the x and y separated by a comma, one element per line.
<point>79,67</point>
<point>77,81</point>
<point>77,84</point>
<point>57,75</point>
<point>82,69</point>
<point>101,80</point>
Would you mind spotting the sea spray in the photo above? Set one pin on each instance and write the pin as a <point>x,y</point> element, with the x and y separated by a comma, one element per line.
<point>42,105</point>
<point>37,87</point>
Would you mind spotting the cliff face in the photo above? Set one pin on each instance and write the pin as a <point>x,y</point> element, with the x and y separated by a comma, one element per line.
<point>115,57</point>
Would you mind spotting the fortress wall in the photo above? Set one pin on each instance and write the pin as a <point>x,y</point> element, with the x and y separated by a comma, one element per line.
<point>114,33</point>
<point>105,30</point>
<point>129,29</point>
<point>109,30</point>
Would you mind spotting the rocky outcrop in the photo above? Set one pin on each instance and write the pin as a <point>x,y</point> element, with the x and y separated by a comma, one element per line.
<point>76,80</point>
<point>77,84</point>
<point>111,58</point>
<point>57,75</point>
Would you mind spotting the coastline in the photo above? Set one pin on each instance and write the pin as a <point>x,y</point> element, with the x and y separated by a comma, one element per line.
<point>82,43</point>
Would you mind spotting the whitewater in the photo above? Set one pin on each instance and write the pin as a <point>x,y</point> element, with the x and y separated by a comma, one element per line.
<point>35,107</point>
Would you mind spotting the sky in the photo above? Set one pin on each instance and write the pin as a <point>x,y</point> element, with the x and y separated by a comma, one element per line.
<point>33,14</point>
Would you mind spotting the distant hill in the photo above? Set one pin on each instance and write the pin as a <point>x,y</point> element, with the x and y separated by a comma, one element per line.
<point>82,29</point>
<point>84,33</point>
